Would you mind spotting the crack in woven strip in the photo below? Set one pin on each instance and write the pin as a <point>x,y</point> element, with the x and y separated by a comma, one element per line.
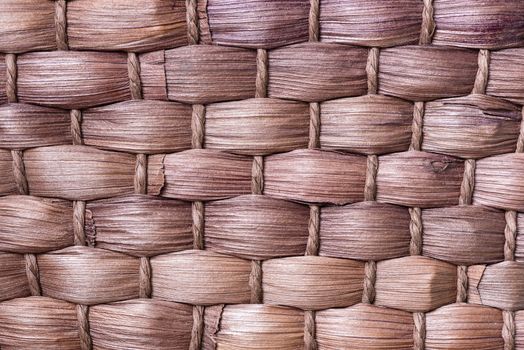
<point>61,24</point>
<point>11,77</point>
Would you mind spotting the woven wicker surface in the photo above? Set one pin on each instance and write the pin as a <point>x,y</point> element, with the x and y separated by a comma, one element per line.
<point>285,174</point>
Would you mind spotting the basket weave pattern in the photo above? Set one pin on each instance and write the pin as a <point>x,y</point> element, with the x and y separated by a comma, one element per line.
<point>286,174</point>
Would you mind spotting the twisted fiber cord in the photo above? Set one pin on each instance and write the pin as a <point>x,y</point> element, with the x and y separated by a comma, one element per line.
<point>314,125</point>
<point>372,70</point>
<point>419,335</point>
<point>508,330</point>
<point>257,175</point>
<point>468,180</point>
<point>262,74</point>
<point>82,312</point>
<point>370,187</point>
<point>76,129</point>
<point>145,278</point>
<point>197,207</point>
<point>31,264</point>
<point>79,210</point>
<point>140,180</point>
<point>192,22</point>
<point>481,79</point>
<point>313,242</point>
<point>314,29</point>
<point>133,69</point>
<point>12,73</point>
<point>19,172</point>
<point>415,226</point>
<point>61,24</point>
<point>33,275</point>
<point>428,24</point>
<point>520,140</point>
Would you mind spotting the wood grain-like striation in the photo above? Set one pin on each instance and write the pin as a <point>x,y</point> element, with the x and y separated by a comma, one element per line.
<point>139,225</point>
<point>35,225</point>
<point>131,125</point>
<point>38,322</point>
<point>199,175</point>
<point>85,275</point>
<point>205,74</point>
<point>432,281</point>
<point>201,277</point>
<point>26,126</point>
<point>141,324</point>
<point>371,22</point>
<point>479,24</point>
<point>422,73</point>
<point>312,282</point>
<point>317,72</point>
<point>506,75</point>
<point>365,327</point>
<point>13,278</point>
<point>258,23</point>
<point>473,126</point>
<point>72,79</point>
<point>7,180</point>
<point>27,25</point>
<point>370,124</point>
<point>419,179</point>
<point>464,235</point>
<point>139,25</point>
<point>499,182</point>
<point>256,227</point>
<point>257,126</point>
<point>315,176</point>
<point>464,326</point>
<point>364,231</point>
<point>78,172</point>
<point>260,327</point>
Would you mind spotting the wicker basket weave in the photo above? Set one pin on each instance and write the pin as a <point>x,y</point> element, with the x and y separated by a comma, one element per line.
<point>262,174</point>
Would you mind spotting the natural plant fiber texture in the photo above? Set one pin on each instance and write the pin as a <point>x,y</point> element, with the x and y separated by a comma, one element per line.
<point>261,175</point>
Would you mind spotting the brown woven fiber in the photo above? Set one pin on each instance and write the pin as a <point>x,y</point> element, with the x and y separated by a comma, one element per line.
<point>261,174</point>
